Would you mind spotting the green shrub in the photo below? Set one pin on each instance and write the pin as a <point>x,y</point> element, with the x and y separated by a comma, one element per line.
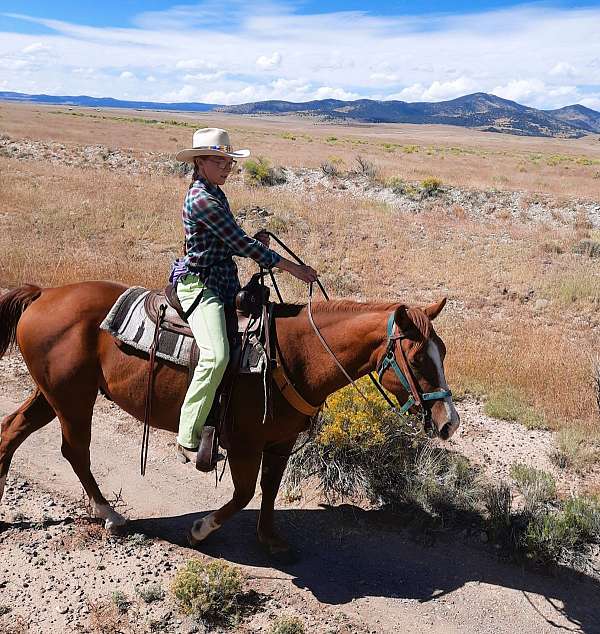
<point>396,184</point>
<point>121,601</point>
<point>591,248</point>
<point>151,592</point>
<point>431,186</point>
<point>507,404</point>
<point>331,139</point>
<point>259,172</point>
<point>574,450</point>
<point>364,167</point>
<point>330,169</point>
<point>287,625</point>
<point>210,590</point>
<point>536,486</point>
<point>497,500</point>
<point>563,536</point>
<point>289,136</point>
<point>410,149</point>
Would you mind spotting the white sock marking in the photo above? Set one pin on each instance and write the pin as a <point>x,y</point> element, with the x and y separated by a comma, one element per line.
<point>201,529</point>
<point>2,483</point>
<point>109,515</point>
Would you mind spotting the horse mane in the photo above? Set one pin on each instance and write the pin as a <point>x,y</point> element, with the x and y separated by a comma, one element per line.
<point>417,316</point>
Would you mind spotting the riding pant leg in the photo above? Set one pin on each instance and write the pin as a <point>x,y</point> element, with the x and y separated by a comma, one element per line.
<point>208,326</point>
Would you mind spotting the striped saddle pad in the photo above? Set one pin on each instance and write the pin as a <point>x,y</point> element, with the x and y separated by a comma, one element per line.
<point>127,321</point>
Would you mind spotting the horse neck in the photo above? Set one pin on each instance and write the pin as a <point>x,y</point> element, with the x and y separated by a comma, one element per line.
<point>355,335</point>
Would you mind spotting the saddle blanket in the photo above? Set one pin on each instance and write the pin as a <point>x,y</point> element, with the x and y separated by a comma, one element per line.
<point>127,321</point>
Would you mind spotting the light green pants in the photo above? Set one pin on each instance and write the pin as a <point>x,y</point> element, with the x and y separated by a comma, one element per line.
<point>210,332</point>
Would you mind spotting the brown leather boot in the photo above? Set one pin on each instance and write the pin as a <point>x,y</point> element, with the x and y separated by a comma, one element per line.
<point>186,455</point>
<point>206,458</point>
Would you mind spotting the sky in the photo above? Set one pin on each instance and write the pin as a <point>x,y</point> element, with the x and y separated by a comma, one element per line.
<point>545,55</point>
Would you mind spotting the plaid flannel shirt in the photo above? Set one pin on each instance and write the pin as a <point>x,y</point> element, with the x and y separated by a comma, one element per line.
<point>212,237</point>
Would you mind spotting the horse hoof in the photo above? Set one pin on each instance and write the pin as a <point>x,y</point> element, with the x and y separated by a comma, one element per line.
<point>118,530</point>
<point>280,553</point>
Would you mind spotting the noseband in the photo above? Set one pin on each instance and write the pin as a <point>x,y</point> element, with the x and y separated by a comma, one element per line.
<point>404,374</point>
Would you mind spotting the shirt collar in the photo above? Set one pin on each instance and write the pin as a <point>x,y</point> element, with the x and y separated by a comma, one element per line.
<point>209,187</point>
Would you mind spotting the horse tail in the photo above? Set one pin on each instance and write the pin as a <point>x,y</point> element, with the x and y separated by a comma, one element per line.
<point>12,306</point>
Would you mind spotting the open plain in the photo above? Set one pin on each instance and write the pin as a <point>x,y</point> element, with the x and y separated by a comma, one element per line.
<point>508,228</point>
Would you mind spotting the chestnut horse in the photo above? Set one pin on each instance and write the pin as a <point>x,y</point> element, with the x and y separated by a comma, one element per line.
<point>71,359</point>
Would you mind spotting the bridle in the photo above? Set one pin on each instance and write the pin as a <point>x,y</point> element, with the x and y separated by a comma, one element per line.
<point>404,373</point>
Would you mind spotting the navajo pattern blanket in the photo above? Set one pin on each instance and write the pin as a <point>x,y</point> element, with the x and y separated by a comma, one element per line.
<point>128,322</point>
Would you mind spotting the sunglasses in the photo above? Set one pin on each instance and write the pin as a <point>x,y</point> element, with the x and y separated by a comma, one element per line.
<point>222,163</point>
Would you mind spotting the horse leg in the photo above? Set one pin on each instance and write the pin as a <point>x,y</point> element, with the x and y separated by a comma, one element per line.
<point>74,410</point>
<point>244,473</point>
<point>274,461</point>
<point>31,416</point>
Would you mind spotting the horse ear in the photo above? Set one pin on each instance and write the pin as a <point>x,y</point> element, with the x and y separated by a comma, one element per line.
<point>402,319</point>
<point>433,310</point>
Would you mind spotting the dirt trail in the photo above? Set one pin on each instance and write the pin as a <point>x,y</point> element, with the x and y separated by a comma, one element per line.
<point>358,571</point>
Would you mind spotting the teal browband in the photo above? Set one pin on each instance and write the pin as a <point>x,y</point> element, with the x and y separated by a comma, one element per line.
<point>389,361</point>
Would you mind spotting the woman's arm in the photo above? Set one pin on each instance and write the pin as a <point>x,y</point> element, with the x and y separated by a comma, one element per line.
<point>205,210</point>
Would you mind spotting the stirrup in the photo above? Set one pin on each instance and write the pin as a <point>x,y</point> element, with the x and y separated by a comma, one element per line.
<point>206,458</point>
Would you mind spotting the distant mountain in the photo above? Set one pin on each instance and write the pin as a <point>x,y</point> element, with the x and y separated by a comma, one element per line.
<point>577,115</point>
<point>105,102</point>
<point>479,110</point>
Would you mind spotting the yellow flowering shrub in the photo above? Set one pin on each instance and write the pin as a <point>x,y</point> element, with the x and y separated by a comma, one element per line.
<point>349,421</point>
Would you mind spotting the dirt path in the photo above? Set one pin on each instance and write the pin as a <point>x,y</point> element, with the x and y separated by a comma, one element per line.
<point>358,571</point>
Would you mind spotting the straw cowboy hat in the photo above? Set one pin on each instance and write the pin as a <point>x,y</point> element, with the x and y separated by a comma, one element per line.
<point>210,142</point>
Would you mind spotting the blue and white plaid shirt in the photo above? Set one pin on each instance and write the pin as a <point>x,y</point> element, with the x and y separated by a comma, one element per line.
<point>212,237</point>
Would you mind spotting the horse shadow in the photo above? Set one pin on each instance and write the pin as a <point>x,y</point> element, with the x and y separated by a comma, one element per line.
<point>346,553</point>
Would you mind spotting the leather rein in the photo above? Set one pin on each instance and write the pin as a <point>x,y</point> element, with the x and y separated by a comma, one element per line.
<point>399,364</point>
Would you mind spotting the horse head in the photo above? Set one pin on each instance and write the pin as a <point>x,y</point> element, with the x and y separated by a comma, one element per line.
<point>412,367</point>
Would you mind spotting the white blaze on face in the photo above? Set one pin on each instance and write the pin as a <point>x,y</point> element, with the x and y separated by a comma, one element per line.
<point>434,355</point>
<point>2,484</point>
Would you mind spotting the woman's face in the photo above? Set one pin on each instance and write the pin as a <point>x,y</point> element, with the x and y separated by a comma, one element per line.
<point>215,169</point>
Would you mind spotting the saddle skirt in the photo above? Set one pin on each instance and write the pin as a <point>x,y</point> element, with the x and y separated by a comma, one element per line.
<point>133,321</point>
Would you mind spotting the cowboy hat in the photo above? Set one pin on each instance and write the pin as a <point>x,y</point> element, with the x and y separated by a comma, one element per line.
<point>210,142</point>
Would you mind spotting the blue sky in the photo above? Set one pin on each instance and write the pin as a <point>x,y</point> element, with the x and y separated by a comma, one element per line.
<point>541,54</point>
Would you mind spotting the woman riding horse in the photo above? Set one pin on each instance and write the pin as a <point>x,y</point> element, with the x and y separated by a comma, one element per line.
<point>207,280</point>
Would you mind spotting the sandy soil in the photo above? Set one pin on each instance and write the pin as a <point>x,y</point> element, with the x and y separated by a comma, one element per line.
<point>357,571</point>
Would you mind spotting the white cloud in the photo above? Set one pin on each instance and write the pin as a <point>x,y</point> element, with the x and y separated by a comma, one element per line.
<point>194,64</point>
<point>151,78</point>
<point>126,74</point>
<point>531,53</point>
<point>520,89</point>
<point>384,77</point>
<point>437,91</point>
<point>204,76</point>
<point>563,69</point>
<point>329,92</point>
<point>269,63</point>
<point>36,47</point>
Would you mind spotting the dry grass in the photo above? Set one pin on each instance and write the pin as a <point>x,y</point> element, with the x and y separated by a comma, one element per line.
<point>61,224</point>
<point>457,156</point>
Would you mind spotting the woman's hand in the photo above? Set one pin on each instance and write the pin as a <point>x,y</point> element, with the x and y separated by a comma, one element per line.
<point>302,272</point>
<point>264,237</point>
